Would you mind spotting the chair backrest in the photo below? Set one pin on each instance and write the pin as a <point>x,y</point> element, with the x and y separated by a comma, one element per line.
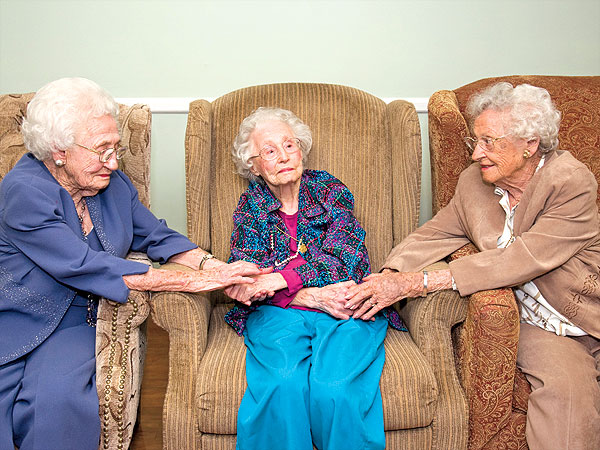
<point>372,147</point>
<point>577,98</point>
<point>134,124</point>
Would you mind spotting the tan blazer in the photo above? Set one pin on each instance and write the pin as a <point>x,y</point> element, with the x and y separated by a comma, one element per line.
<point>557,243</point>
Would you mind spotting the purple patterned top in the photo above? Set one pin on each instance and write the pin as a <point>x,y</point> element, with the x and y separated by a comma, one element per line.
<point>334,239</point>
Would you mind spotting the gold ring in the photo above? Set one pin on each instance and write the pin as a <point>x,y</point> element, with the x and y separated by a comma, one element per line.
<point>371,302</point>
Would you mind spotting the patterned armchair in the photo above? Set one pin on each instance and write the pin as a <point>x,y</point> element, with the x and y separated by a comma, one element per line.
<point>121,328</point>
<point>375,149</point>
<point>486,344</point>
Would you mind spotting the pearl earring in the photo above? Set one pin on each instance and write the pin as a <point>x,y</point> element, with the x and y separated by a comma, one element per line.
<point>59,162</point>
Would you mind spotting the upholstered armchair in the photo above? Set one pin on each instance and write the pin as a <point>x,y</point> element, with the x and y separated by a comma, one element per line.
<point>375,149</point>
<point>121,328</point>
<point>497,392</point>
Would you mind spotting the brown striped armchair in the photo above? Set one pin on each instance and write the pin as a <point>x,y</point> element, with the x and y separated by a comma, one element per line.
<point>496,390</point>
<point>121,328</point>
<point>375,149</point>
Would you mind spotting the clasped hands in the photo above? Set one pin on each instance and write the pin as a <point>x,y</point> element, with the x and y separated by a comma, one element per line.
<point>264,285</point>
<point>341,300</point>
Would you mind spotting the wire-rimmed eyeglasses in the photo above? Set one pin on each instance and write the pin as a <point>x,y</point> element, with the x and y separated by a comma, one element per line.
<point>269,152</point>
<point>105,155</point>
<point>486,142</point>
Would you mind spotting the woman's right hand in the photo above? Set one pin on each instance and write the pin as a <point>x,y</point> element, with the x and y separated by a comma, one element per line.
<point>264,286</point>
<point>236,273</point>
<point>239,268</point>
<point>330,299</point>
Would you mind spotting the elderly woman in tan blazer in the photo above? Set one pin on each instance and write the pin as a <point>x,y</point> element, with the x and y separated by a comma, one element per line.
<point>531,211</point>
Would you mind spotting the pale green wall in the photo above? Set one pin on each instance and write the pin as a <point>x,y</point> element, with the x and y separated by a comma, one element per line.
<point>204,49</point>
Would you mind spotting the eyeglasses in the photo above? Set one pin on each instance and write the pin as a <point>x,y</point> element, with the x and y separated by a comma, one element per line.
<point>487,143</point>
<point>105,155</point>
<point>269,152</point>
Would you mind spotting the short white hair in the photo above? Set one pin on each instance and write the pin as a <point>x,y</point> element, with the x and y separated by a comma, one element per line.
<point>58,110</point>
<point>241,144</point>
<point>532,113</point>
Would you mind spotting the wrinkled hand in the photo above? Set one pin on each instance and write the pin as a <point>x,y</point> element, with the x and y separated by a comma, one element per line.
<point>264,286</point>
<point>239,272</point>
<point>217,277</point>
<point>378,291</point>
<point>330,299</point>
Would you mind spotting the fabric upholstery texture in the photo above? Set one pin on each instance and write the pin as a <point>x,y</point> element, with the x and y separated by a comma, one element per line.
<point>486,343</point>
<point>128,342</point>
<point>375,150</point>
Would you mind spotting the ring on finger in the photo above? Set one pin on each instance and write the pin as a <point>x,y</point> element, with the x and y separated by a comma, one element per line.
<point>371,302</point>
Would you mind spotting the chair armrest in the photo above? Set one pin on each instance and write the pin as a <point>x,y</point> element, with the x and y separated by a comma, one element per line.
<point>186,318</point>
<point>120,354</point>
<point>430,320</point>
<point>486,350</point>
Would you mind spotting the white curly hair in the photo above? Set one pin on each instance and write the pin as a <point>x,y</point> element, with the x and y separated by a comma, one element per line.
<point>241,145</point>
<point>532,113</point>
<point>58,109</point>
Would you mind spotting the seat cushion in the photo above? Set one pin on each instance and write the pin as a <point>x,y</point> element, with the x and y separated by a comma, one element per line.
<point>408,385</point>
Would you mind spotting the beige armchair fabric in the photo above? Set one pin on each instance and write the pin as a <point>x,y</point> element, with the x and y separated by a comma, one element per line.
<point>375,150</point>
<point>120,331</point>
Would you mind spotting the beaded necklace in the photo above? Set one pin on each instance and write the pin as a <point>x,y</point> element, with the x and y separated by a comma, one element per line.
<point>300,250</point>
<point>92,308</point>
<point>81,216</point>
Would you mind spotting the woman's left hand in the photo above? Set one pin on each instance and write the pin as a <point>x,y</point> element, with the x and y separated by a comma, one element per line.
<point>329,299</point>
<point>380,290</point>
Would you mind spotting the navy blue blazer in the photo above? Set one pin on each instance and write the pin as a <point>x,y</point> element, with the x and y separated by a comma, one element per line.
<point>44,259</point>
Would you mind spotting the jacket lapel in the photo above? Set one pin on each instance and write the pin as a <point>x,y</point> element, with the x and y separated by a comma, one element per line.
<point>95,210</point>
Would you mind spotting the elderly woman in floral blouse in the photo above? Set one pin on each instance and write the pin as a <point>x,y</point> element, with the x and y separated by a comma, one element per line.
<point>313,372</point>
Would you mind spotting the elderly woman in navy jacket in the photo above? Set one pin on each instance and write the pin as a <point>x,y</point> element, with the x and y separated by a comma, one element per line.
<point>68,217</point>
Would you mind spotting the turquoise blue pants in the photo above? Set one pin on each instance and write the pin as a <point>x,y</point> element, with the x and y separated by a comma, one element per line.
<point>311,379</point>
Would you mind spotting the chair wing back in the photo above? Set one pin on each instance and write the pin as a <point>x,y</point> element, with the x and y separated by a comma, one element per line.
<point>577,98</point>
<point>134,122</point>
<point>372,147</point>
<point>12,111</point>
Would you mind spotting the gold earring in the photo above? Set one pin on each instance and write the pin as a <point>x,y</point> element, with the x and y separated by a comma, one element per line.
<point>526,154</point>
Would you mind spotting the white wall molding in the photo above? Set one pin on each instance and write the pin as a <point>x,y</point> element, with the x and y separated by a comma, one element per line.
<point>180,105</point>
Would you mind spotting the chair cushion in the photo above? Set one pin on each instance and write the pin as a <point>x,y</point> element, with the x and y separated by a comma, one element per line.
<point>408,385</point>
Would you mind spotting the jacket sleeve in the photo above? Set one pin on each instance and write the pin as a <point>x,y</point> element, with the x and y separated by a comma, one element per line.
<point>343,254</point>
<point>566,223</point>
<point>248,240</point>
<point>36,226</point>
<point>431,242</point>
<point>152,235</point>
